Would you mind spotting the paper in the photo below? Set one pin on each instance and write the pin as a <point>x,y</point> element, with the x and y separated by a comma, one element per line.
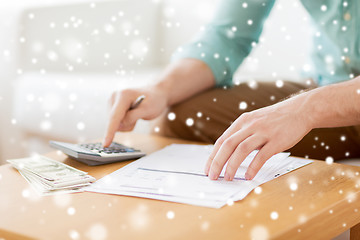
<point>176,173</point>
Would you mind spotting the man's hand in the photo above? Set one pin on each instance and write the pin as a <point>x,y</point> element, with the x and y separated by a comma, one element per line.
<point>179,81</point>
<point>123,119</point>
<point>271,130</point>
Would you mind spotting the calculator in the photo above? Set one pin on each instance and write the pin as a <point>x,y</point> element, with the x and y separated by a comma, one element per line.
<point>95,154</point>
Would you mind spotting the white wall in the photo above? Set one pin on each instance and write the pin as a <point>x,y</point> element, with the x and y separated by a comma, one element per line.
<point>8,59</point>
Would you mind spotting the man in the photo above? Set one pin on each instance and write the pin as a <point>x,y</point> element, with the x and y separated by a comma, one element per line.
<point>300,124</point>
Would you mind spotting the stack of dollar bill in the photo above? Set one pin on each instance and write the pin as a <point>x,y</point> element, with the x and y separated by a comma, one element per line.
<point>48,176</point>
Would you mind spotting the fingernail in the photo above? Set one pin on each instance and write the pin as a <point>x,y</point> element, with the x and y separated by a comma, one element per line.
<point>248,176</point>
<point>227,177</point>
<point>212,175</point>
<point>206,170</point>
<point>106,141</point>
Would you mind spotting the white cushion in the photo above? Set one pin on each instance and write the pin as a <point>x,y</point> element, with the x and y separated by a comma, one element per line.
<point>69,106</point>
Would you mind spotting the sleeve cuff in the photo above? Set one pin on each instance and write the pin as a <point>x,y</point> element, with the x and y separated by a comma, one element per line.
<point>214,60</point>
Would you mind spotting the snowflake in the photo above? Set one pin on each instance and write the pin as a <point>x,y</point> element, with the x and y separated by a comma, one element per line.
<point>258,190</point>
<point>74,234</point>
<point>293,186</point>
<point>80,126</point>
<point>171,116</point>
<point>302,219</point>
<point>306,67</point>
<point>259,232</point>
<point>109,28</point>
<point>279,83</point>
<point>170,215</point>
<point>205,225</point>
<point>25,193</point>
<point>71,211</point>
<point>189,122</point>
<point>329,160</point>
<point>45,125</point>
<point>230,202</point>
<point>139,217</point>
<point>243,105</point>
<point>274,215</point>
<point>97,232</point>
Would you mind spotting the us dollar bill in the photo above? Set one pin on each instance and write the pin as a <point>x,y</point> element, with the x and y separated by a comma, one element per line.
<point>46,168</point>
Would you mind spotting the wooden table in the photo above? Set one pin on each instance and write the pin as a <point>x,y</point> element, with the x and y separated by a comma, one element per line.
<point>325,203</point>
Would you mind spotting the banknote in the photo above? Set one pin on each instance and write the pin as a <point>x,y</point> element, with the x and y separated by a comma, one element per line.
<point>42,189</point>
<point>49,177</point>
<point>46,168</point>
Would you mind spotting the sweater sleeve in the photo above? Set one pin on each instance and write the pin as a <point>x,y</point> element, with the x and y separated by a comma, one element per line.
<point>228,38</point>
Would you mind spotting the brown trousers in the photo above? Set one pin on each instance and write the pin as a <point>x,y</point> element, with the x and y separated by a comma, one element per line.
<point>206,116</point>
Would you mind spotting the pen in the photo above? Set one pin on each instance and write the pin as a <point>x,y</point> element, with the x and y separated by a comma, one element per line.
<point>137,102</point>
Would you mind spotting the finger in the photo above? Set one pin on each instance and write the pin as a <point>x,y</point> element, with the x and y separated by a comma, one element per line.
<point>261,157</point>
<point>217,145</point>
<point>122,104</point>
<point>241,152</point>
<point>225,151</point>
<point>130,119</point>
<point>228,132</point>
<point>112,99</point>
<point>219,142</point>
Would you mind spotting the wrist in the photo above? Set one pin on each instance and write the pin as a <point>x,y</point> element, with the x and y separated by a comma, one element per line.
<point>314,109</point>
<point>163,90</point>
<point>303,105</point>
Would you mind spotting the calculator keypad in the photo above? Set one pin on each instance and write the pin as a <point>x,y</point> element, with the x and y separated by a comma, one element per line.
<point>114,148</point>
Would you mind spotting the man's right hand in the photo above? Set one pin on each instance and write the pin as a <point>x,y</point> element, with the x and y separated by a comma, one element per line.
<point>124,119</point>
<point>179,81</point>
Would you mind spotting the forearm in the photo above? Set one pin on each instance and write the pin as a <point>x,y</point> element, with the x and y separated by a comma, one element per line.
<point>333,106</point>
<point>184,79</point>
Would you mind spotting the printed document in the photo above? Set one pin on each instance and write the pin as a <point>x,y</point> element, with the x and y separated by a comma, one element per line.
<point>176,173</point>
